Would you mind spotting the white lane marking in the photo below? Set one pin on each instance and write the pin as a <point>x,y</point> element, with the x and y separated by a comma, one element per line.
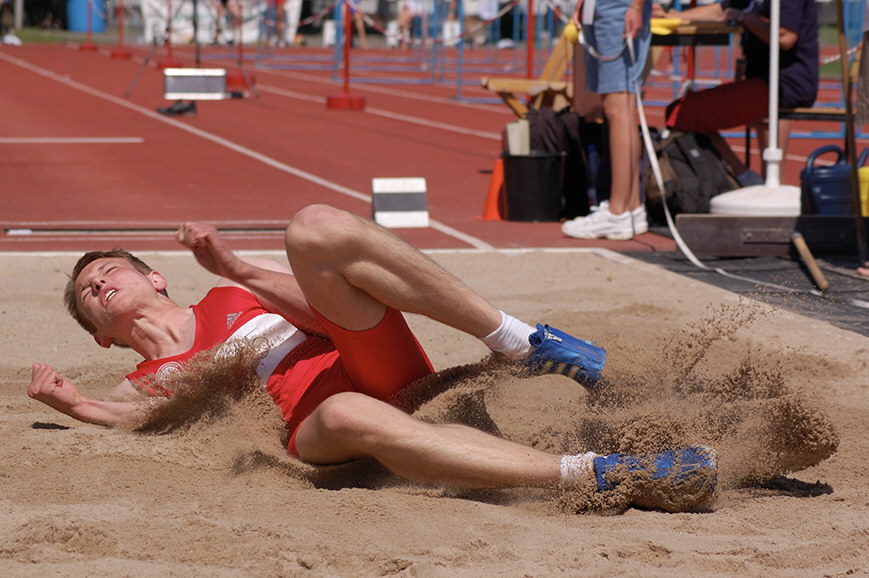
<point>72,140</point>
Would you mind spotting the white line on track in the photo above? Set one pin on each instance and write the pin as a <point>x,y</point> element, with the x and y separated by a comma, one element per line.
<point>388,114</point>
<point>433,124</point>
<point>73,140</point>
<point>266,160</point>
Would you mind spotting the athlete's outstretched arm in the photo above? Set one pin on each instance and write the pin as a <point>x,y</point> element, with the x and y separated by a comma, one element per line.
<point>52,389</point>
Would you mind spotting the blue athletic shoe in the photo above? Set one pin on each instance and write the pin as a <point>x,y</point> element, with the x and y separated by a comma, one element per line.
<point>676,465</point>
<point>557,352</point>
<point>676,480</point>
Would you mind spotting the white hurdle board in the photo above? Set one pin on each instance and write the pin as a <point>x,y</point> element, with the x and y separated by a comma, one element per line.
<point>399,202</point>
<point>194,84</point>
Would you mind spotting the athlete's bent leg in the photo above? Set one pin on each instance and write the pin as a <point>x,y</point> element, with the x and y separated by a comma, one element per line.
<point>350,269</point>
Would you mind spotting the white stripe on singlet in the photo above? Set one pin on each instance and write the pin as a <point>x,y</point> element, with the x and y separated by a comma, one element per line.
<point>271,334</point>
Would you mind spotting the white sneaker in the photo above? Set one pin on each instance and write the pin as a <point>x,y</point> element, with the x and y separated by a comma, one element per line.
<point>11,39</point>
<point>602,223</point>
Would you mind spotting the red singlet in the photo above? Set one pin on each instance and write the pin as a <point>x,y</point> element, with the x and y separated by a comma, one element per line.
<point>301,370</point>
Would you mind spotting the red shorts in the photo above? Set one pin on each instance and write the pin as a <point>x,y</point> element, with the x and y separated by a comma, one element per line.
<point>725,106</point>
<point>378,362</point>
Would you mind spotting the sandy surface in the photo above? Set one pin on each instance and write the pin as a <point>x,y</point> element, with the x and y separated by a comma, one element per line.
<point>780,396</point>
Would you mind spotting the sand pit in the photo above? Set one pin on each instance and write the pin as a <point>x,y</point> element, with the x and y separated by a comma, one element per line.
<point>782,398</point>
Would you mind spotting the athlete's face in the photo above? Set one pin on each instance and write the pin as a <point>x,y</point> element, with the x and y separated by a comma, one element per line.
<point>109,289</point>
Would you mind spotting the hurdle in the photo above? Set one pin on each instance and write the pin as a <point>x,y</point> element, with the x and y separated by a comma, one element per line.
<point>120,51</point>
<point>345,100</point>
<point>436,54</point>
<point>195,84</point>
<point>88,45</point>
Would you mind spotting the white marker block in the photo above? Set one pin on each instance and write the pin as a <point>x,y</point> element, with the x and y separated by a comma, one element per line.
<point>399,202</point>
<point>194,84</point>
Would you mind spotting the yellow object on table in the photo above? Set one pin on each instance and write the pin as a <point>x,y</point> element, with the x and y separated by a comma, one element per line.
<point>665,26</point>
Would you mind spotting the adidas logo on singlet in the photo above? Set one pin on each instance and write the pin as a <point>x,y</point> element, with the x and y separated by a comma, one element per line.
<point>231,318</point>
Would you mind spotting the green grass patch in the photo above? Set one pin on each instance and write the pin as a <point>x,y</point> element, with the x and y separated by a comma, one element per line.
<point>50,36</point>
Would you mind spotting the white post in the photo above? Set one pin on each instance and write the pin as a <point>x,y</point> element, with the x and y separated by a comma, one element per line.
<point>773,154</point>
<point>19,14</point>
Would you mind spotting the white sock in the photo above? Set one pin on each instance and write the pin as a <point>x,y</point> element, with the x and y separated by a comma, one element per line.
<point>511,337</point>
<point>575,469</point>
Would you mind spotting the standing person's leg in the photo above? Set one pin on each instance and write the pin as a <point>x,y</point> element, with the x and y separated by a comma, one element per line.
<point>219,18</point>
<point>405,25</point>
<point>359,21</point>
<point>619,108</point>
<point>614,68</point>
<point>280,23</point>
<point>237,15</point>
<point>623,216</point>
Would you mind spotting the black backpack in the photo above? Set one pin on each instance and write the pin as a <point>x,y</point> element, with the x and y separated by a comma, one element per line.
<point>566,131</point>
<point>693,172</point>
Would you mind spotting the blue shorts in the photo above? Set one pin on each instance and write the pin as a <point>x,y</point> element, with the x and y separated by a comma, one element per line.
<point>606,37</point>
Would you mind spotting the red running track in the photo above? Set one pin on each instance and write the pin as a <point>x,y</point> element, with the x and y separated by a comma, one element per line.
<point>83,167</point>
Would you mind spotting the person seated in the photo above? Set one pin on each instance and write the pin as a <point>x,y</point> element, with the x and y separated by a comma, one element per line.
<point>745,102</point>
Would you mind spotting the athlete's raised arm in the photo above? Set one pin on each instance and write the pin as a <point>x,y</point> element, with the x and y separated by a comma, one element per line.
<point>274,285</point>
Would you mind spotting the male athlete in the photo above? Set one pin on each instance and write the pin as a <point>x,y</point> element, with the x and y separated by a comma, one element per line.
<point>339,350</point>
